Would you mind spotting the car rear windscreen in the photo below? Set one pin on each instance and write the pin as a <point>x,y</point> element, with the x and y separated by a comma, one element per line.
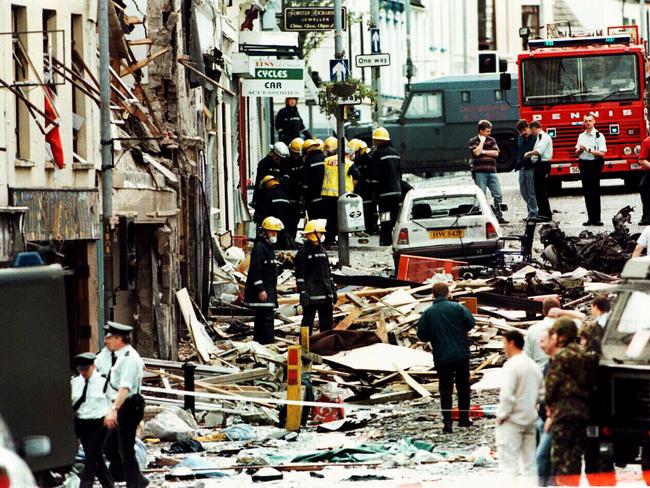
<point>444,206</point>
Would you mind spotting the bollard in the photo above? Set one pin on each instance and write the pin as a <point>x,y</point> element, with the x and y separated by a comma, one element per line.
<point>294,388</point>
<point>188,374</point>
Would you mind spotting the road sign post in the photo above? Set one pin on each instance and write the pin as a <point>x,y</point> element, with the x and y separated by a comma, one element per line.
<point>375,40</point>
<point>339,69</point>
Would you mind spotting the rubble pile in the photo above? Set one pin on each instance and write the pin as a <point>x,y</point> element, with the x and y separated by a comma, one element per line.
<point>372,380</point>
<point>606,252</point>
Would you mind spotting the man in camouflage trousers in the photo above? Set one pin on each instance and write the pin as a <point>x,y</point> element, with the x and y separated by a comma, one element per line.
<point>569,383</point>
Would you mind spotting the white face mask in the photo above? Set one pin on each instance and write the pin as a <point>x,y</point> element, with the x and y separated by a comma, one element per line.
<point>273,239</point>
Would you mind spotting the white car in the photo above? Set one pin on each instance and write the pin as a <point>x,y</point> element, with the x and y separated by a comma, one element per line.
<point>14,472</point>
<point>448,222</point>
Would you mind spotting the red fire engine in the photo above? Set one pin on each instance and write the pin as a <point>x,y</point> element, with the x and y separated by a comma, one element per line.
<point>562,80</point>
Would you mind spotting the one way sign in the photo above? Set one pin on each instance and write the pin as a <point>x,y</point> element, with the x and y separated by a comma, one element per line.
<point>339,69</point>
<point>375,41</point>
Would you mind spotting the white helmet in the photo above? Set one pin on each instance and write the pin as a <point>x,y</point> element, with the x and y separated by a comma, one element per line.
<point>235,256</point>
<point>281,149</point>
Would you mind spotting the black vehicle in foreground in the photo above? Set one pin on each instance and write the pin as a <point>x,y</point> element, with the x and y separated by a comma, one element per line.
<point>619,430</point>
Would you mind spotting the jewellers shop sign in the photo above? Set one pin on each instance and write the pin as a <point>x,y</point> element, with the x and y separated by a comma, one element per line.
<point>311,19</point>
<point>276,78</point>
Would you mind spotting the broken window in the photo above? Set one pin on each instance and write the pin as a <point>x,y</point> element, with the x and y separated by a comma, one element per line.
<point>21,70</point>
<point>79,101</point>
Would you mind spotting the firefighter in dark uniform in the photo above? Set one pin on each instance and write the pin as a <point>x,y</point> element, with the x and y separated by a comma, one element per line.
<point>275,202</point>
<point>312,176</point>
<point>291,169</point>
<point>123,384</point>
<point>288,122</point>
<point>314,279</point>
<point>260,293</point>
<point>90,404</point>
<point>269,165</point>
<point>361,158</point>
<point>387,174</point>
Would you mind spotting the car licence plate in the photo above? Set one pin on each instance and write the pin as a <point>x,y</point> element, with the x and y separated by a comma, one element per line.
<point>574,170</point>
<point>447,234</point>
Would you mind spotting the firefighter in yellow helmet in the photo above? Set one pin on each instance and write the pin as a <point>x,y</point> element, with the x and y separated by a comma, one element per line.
<point>364,188</point>
<point>314,278</point>
<point>386,173</point>
<point>273,201</point>
<point>260,293</point>
<point>330,191</point>
<point>330,146</point>
<point>291,169</point>
<point>312,177</point>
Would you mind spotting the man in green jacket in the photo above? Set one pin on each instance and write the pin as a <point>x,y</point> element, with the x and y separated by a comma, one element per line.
<point>445,325</point>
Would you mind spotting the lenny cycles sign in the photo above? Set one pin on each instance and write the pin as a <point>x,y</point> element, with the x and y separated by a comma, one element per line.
<point>276,77</point>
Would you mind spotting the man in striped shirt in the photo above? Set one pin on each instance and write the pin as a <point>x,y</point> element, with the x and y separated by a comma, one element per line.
<point>484,153</point>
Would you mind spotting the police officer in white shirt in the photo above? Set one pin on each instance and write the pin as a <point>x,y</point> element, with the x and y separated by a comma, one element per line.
<point>127,405</point>
<point>541,156</point>
<point>90,405</point>
<point>590,150</point>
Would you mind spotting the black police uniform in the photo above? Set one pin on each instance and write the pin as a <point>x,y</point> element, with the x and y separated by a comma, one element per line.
<point>262,276</point>
<point>289,124</point>
<point>312,183</point>
<point>315,285</point>
<point>274,202</point>
<point>386,170</point>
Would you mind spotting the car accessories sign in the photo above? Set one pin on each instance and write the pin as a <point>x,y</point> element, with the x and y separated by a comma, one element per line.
<point>276,77</point>
<point>311,19</point>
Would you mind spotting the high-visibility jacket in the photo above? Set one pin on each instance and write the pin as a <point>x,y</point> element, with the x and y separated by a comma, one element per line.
<point>330,186</point>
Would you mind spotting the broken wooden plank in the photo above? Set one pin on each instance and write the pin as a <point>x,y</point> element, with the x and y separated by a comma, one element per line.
<point>413,384</point>
<point>128,70</point>
<point>349,320</point>
<point>253,374</point>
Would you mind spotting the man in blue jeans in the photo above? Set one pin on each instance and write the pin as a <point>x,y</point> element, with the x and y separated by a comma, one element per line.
<point>484,153</point>
<point>525,144</point>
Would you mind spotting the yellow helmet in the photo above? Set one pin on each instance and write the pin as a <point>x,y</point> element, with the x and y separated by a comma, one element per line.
<point>310,145</point>
<point>272,223</point>
<point>320,143</point>
<point>296,145</point>
<point>331,144</point>
<point>380,134</point>
<point>269,181</point>
<point>358,145</point>
<point>313,228</point>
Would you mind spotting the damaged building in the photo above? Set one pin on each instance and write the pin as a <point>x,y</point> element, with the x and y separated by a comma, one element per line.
<point>49,199</point>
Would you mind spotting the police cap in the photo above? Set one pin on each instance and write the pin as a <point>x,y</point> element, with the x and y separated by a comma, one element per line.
<point>118,329</point>
<point>84,360</point>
